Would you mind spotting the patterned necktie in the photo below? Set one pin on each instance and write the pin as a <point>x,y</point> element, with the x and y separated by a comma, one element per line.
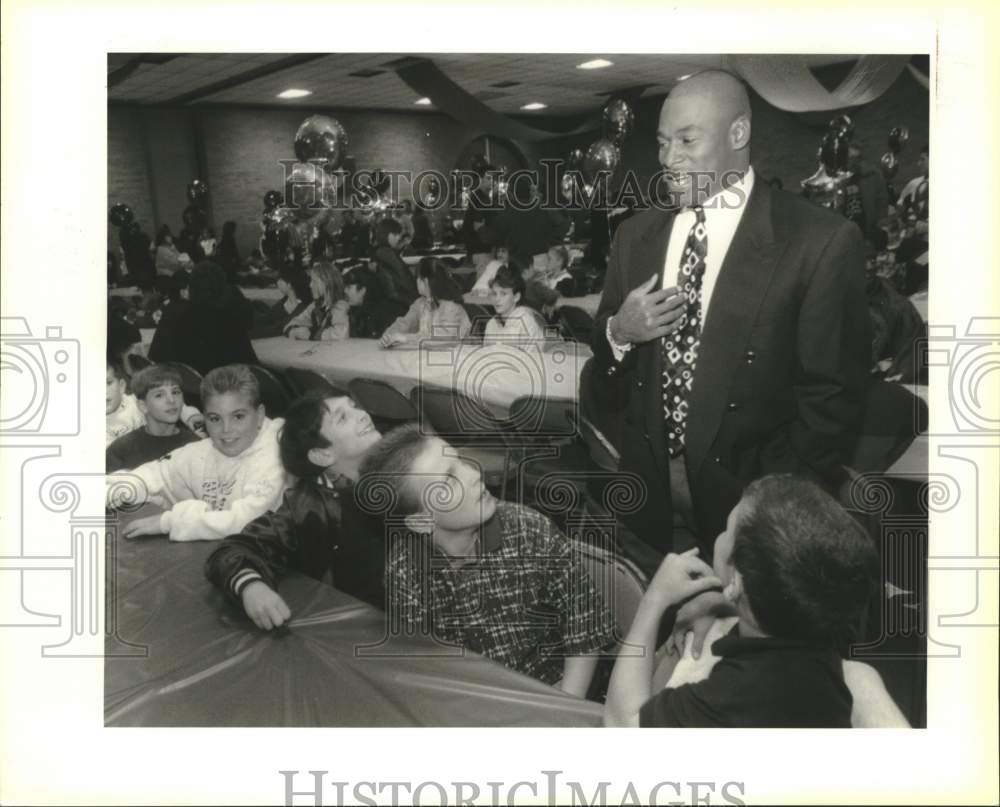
<point>680,348</point>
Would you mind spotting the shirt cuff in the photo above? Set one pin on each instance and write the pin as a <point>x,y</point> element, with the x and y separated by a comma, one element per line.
<point>242,579</point>
<point>617,350</point>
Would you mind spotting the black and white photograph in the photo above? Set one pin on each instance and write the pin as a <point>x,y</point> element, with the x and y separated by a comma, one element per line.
<point>584,391</point>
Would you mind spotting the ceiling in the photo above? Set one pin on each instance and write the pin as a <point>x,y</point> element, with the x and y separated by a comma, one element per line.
<point>257,78</point>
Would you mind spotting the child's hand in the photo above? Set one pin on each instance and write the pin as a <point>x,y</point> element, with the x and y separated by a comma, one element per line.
<point>301,334</point>
<point>150,525</point>
<point>696,617</point>
<point>264,605</point>
<point>681,577</point>
<point>197,425</point>
<point>392,339</point>
<point>691,669</point>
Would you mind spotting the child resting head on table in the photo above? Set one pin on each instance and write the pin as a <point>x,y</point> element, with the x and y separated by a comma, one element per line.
<point>318,530</point>
<point>214,487</point>
<point>799,574</point>
<point>123,412</point>
<point>159,398</point>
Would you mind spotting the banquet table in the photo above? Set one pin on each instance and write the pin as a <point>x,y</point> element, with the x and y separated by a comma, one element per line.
<point>182,654</point>
<point>586,303</point>
<point>495,374</point>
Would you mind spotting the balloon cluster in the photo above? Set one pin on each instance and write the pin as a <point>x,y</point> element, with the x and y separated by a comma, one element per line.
<point>371,191</point>
<point>604,154</point>
<point>195,215</point>
<point>825,186</point>
<point>898,135</point>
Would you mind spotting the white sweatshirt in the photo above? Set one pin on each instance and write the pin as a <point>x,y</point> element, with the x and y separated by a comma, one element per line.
<point>210,495</point>
<point>128,417</point>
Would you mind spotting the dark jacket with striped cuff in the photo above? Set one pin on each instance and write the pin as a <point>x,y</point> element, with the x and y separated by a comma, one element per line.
<point>318,530</point>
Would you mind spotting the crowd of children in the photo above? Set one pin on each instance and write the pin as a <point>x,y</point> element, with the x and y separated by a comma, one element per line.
<point>791,577</point>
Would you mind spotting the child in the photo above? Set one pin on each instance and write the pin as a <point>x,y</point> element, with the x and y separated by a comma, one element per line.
<point>318,530</point>
<point>370,313</point>
<point>494,577</point>
<point>556,275</point>
<point>501,256</point>
<point>158,396</point>
<point>214,487</point>
<point>800,573</point>
<point>437,312</point>
<point>124,414</point>
<point>326,319</point>
<point>513,323</point>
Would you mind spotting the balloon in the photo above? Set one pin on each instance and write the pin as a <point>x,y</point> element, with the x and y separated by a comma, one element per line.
<point>197,192</point>
<point>566,185</point>
<point>843,126</point>
<point>321,138</point>
<point>575,159</point>
<point>479,163</point>
<point>822,181</point>
<point>272,199</point>
<point>890,165</point>
<point>120,215</point>
<point>308,189</point>
<point>898,135</point>
<point>828,152</point>
<point>603,155</point>
<point>380,181</point>
<point>618,121</point>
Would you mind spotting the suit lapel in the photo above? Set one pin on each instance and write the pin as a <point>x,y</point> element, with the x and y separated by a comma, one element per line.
<point>739,290</point>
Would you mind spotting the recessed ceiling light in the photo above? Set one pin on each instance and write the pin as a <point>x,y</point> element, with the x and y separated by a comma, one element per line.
<point>294,93</point>
<point>423,101</point>
<point>595,64</point>
<point>534,105</point>
<point>686,75</point>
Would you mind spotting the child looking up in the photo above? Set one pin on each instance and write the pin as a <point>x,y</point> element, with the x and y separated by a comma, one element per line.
<point>158,396</point>
<point>214,487</point>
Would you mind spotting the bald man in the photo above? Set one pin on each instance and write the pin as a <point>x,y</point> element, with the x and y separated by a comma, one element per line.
<point>732,338</point>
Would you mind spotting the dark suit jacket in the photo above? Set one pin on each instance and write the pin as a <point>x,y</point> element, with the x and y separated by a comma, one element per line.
<point>782,365</point>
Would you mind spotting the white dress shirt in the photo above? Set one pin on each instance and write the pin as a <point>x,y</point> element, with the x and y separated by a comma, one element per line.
<point>723,213</point>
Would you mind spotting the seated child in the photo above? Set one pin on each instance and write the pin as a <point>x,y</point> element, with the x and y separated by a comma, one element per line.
<point>800,573</point>
<point>494,577</point>
<point>371,313</point>
<point>556,275</point>
<point>158,396</point>
<point>437,312</point>
<point>124,414</point>
<point>513,323</point>
<point>318,530</point>
<point>481,287</point>
<point>326,318</point>
<point>214,487</point>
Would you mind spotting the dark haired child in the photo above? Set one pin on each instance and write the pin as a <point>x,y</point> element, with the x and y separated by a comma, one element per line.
<point>158,396</point>
<point>799,573</point>
<point>318,530</point>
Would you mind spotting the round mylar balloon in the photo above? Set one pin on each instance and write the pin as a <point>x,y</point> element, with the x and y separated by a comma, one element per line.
<point>308,190</point>
<point>618,121</point>
<point>321,138</point>
<point>120,215</point>
<point>603,155</point>
<point>197,192</point>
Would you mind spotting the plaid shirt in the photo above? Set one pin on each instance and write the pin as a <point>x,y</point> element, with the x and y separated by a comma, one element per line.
<point>525,601</point>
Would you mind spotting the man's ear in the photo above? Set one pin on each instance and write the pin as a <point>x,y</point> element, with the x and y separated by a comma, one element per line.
<point>734,590</point>
<point>739,133</point>
<point>422,522</point>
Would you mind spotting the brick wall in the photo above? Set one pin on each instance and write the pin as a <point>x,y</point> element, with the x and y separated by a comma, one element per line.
<point>128,178</point>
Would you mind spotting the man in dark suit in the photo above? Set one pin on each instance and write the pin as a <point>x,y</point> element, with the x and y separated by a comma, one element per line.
<point>732,339</point>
